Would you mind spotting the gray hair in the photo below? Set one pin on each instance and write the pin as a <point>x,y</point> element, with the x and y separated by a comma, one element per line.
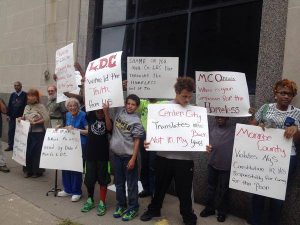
<point>72,100</point>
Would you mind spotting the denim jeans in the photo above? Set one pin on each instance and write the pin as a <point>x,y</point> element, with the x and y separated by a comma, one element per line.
<point>122,174</point>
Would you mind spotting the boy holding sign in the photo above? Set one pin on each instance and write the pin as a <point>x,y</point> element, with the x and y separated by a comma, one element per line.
<point>221,136</point>
<point>97,157</point>
<point>124,144</point>
<point>177,165</point>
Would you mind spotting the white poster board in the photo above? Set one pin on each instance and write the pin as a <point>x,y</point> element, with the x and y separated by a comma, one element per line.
<point>61,97</point>
<point>177,128</point>
<point>62,150</point>
<point>64,70</point>
<point>260,161</point>
<point>20,142</point>
<point>152,77</point>
<point>223,93</point>
<point>103,83</point>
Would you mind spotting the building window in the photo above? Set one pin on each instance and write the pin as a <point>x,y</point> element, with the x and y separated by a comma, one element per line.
<point>205,34</point>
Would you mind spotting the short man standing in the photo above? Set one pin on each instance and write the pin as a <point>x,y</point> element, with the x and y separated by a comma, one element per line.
<point>16,105</point>
<point>3,167</point>
<point>56,111</point>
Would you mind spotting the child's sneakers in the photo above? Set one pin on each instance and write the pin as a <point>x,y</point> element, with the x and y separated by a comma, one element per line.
<point>101,209</point>
<point>88,205</point>
<point>130,214</point>
<point>119,212</point>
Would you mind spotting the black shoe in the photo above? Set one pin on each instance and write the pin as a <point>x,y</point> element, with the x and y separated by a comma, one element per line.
<point>148,215</point>
<point>221,218</point>
<point>36,175</point>
<point>144,194</point>
<point>4,169</point>
<point>207,212</point>
<point>26,175</point>
<point>8,149</point>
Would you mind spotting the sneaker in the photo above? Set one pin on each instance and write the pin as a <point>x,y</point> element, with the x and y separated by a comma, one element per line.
<point>207,212</point>
<point>63,194</point>
<point>119,212</point>
<point>101,209</point>
<point>144,194</point>
<point>4,169</point>
<point>148,215</point>
<point>130,214</point>
<point>88,205</point>
<point>75,198</point>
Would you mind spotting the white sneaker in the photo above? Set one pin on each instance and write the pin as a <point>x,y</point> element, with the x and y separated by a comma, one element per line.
<point>63,194</point>
<point>75,198</point>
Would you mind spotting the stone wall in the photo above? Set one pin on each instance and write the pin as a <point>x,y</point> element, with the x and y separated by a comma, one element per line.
<point>31,32</point>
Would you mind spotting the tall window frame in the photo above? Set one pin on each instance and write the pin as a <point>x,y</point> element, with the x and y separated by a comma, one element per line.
<point>190,11</point>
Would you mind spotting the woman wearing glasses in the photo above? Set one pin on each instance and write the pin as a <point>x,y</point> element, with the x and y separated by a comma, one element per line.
<point>279,115</point>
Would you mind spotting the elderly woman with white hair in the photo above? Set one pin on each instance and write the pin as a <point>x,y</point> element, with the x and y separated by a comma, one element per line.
<point>75,119</point>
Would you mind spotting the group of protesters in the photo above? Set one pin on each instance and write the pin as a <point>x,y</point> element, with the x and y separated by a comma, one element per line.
<point>120,139</point>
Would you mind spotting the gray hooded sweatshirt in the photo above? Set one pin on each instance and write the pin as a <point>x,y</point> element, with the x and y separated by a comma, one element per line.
<point>126,128</point>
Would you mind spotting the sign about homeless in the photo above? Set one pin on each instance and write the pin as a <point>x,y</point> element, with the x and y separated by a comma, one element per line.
<point>152,77</point>
<point>260,161</point>
<point>20,142</point>
<point>64,70</point>
<point>177,128</point>
<point>103,82</point>
<point>222,93</point>
<point>62,150</point>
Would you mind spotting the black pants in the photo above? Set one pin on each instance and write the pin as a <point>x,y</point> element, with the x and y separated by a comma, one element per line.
<point>217,190</point>
<point>182,171</point>
<point>11,132</point>
<point>33,154</point>
<point>147,168</point>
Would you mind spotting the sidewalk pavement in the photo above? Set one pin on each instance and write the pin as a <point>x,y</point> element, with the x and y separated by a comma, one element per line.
<point>23,201</point>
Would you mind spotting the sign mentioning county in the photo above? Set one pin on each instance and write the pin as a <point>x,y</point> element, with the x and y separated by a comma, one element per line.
<point>222,93</point>
<point>20,142</point>
<point>171,126</point>
<point>260,161</point>
<point>62,150</point>
<point>103,82</point>
<point>152,77</point>
<point>64,70</point>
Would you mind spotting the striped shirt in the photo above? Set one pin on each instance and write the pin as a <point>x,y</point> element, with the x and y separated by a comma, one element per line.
<point>275,118</point>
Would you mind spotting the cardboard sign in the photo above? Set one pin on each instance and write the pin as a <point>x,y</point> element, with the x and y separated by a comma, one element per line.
<point>20,142</point>
<point>177,128</point>
<point>152,77</point>
<point>64,70</point>
<point>61,97</point>
<point>260,161</point>
<point>62,150</point>
<point>223,93</point>
<point>103,83</point>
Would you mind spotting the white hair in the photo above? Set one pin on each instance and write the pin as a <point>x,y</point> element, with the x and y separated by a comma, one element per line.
<point>72,100</point>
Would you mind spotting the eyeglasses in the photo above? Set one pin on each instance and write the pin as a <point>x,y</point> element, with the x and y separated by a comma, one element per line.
<point>283,93</point>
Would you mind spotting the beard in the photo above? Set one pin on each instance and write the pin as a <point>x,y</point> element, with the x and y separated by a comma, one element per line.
<point>52,97</point>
